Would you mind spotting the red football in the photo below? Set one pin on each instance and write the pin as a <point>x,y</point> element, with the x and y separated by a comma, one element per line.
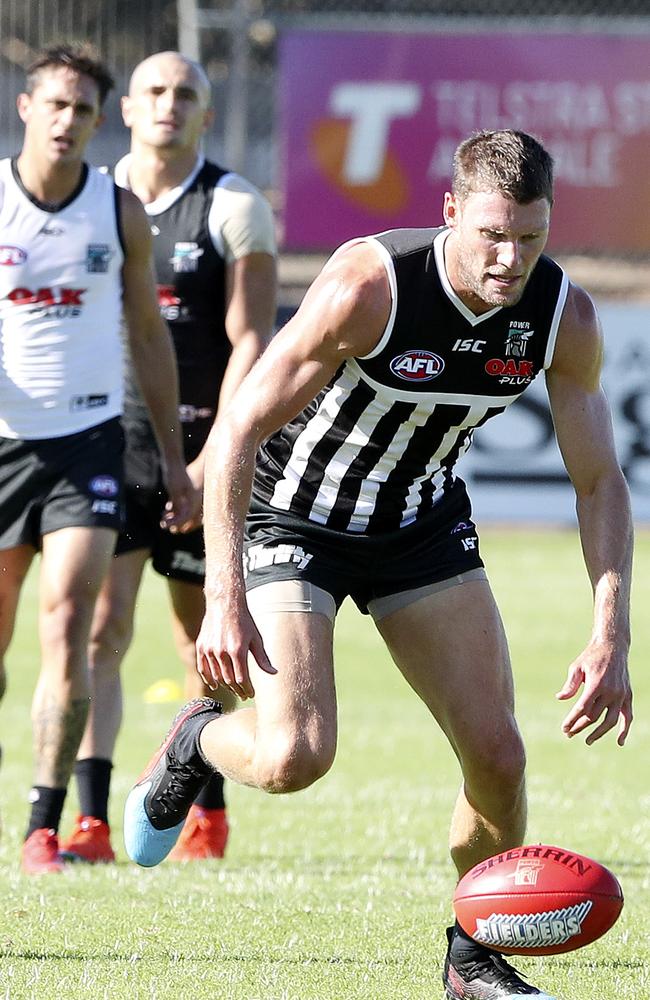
<point>537,900</point>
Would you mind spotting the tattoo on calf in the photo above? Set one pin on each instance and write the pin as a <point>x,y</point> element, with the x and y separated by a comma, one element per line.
<point>58,729</point>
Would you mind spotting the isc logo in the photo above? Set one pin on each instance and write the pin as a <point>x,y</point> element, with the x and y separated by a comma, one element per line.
<point>417,366</point>
<point>469,345</point>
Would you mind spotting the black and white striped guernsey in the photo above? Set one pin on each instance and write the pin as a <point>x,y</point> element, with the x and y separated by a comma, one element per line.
<point>376,449</point>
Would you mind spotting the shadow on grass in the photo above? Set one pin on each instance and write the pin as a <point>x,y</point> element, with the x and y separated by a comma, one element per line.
<point>612,965</point>
<point>30,955</point>
<point>68,955</point>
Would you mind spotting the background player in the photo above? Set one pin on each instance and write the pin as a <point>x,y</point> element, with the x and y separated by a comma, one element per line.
<point>214,250</point>
<point>77,251</point>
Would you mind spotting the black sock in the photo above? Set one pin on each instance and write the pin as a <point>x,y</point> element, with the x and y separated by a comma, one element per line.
<point>464,947</point>
<point>47,806</point>
<point>93,776</point>
<point>458,930</point>
<point>211,795</point>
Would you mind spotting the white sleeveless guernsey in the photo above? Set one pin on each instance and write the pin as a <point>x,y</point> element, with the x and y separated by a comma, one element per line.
<point>60,310</point>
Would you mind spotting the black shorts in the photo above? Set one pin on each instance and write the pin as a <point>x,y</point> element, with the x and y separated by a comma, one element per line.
<point>65,482</point>
<point>178,557</point>
<point>443,545</point>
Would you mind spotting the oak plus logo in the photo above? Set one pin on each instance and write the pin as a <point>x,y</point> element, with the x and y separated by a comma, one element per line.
<point>171,306</point>
<point>510,371</point>
<point>58,302</point>
<point>417,366</point>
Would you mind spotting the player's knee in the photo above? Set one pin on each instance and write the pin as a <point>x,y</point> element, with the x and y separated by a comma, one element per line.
<point>294,765</point>
<point>501,761</point>
<point>510,766</point>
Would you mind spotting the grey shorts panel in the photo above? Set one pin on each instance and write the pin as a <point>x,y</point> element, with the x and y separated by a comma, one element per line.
<point>291,595</point>
<point>300,595</point>
<point>382,606</point>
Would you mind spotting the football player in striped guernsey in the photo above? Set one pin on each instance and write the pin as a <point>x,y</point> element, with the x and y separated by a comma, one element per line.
<point>332,474</point>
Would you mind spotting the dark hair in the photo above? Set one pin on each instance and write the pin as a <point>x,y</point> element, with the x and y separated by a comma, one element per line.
<point>82,58</point>
<point>510,162</point>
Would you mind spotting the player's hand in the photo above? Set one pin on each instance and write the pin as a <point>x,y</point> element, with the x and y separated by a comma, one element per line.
<point>606,699</point>
<point>228,634</point>
<point>183,509</point>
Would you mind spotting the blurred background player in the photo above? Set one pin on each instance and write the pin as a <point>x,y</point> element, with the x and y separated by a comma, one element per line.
<point>214,248</point>
<point>77,250</point>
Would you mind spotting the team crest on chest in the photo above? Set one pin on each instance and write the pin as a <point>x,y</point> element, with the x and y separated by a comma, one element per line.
<point>186,257</point>
<point>98,257</point>
<point>517,337</point>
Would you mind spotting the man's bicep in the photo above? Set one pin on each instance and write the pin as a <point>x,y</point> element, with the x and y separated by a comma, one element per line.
<point>251,284</point>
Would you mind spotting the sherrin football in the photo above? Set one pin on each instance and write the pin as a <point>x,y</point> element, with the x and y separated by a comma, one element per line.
<point>537,900</point>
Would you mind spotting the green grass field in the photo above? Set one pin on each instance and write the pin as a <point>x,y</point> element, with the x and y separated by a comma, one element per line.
<point>341,892</point>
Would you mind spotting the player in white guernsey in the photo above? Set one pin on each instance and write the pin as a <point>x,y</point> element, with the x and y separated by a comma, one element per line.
<point>214,251</point>
<point>354,493</point>
<point>75,253</point>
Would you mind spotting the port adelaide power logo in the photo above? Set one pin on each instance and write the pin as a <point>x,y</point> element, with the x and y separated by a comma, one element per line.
<point>417,366</point>
<point>98,257</point>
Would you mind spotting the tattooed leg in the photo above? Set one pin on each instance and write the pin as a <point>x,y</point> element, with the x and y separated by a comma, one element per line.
<point>57,730</point>
<point>74,564</point>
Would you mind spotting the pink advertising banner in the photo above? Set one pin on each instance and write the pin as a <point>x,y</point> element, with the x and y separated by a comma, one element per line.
<point>370,123</point>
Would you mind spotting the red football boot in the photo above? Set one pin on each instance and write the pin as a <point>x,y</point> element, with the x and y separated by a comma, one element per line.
<point>89,842</point>
<point>204,835</point>
<point>40,853</point>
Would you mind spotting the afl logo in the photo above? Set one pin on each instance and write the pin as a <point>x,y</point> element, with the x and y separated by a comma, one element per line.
<point>417,366</point>
<point>104,486</point>
<point>10,256</point>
